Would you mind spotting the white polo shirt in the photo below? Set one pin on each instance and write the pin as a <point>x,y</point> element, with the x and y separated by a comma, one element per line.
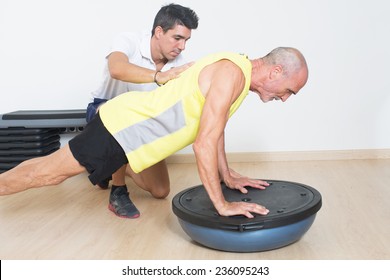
<point>137,48</point>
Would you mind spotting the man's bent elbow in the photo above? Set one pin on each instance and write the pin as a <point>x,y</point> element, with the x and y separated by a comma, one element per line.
<point>116,73</point>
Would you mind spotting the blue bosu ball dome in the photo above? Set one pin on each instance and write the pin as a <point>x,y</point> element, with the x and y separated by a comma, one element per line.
<point>292,207</point>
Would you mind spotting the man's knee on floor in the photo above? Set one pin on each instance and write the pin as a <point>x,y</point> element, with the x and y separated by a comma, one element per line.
<point>160,191</point>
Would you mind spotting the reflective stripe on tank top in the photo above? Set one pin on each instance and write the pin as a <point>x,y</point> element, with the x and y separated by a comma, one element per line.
<point>147,131</point>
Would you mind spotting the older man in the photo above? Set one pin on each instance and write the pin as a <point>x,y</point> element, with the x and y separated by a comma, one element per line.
<point>143,128</point>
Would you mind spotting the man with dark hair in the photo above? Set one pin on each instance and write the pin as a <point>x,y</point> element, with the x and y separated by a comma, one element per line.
<point>143,128</point>
<point>141,62</point>
<point>171,15</point>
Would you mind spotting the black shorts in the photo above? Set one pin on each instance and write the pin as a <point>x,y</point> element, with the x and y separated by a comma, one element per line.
<point>98,151</point>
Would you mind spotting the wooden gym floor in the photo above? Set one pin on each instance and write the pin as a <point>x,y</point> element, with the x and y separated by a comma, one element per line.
<point>71,221</point>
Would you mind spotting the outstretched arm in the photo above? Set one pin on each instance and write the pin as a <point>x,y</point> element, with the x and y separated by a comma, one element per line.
<point>221,93</point>
<point>121,69</point>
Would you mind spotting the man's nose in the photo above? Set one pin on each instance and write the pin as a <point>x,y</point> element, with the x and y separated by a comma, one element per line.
<point>182,45</point>
<point>285,97</point>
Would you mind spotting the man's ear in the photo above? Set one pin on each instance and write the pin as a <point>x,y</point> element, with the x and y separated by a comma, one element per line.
<point>158,31</point>
<point>276,72</point>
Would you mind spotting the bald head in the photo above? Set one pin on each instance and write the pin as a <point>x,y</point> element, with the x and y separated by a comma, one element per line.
<point>291,60</point>
<point>279,74</point>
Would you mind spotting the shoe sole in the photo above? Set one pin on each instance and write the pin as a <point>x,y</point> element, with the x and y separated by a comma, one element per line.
<point>112,209</point>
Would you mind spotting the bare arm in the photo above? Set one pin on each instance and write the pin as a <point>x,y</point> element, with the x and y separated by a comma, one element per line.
<point>221,93</point>
<point>231,178</point>
<point>121,69</point>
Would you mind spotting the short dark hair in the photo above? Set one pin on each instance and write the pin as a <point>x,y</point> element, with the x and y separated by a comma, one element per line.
<point>171,15</point>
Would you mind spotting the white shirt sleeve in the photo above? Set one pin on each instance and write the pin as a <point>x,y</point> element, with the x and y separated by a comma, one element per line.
<point>127,43</point>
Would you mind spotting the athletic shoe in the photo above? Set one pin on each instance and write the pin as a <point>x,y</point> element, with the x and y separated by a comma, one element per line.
<point>121,204</point>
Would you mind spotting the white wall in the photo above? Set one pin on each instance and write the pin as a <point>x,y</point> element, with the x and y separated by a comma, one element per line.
<point>51,57</point>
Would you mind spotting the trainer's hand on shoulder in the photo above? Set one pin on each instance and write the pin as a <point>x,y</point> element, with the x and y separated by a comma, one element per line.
<point>173,73</point>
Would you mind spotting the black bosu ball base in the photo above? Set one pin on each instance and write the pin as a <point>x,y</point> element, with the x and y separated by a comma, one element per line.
<point>292,207</point>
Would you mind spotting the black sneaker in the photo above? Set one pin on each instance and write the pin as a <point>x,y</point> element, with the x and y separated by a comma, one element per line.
<point>121,204</point>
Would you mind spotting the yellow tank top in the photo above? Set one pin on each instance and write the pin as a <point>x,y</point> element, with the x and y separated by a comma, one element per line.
<point>150,126</point>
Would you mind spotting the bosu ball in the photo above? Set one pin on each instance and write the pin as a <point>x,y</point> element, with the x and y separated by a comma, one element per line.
<point>292,210</point>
